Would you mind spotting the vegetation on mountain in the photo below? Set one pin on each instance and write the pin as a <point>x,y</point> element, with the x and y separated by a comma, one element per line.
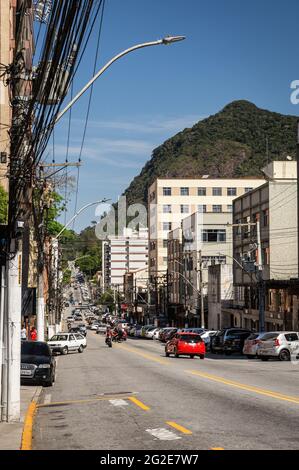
<point>237,141</point>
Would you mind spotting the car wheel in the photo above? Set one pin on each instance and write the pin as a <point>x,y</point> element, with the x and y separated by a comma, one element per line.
<point>64,350</point>
<point>176,353</point>
<point>191,356</point>
<point>166,353</point>
<point>202,356</point>
<point>80,349</point>
<point>250,356</point>
<point>284,355</point>
<point>264,358</point>
<point>227,353</point>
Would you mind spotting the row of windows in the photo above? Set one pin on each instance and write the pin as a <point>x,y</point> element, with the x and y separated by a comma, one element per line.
<point>217,191</point>
<point>185,208</point>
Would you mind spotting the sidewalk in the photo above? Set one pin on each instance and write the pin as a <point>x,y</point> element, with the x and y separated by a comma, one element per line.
<point>11,433</point>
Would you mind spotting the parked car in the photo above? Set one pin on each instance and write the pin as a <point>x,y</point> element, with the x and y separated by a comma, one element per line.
<point>94,326</point>
<point>251,344</point>
<point>206,336</point>
<point>187,344</point>
<point>229,340</point>
<point>163,332</point>
<point>138,330</point>
<point>149,334</point>
<point>156,333</point>
<point>283,345</point>
<point>37,363</point>
<point>144,329</point>
<point>168,334</point>
<point>66,342</point>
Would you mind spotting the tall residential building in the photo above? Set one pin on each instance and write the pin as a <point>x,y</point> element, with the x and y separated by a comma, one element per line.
<point>122,255</point>
<point>274,205</point>
<point>170,200</point>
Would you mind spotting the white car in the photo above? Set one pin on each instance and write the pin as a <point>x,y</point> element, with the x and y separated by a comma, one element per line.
<point>66,342</point>
<point>94,326</point>
<point>156,334</point>
<point>283,345</point>
<point>149,334</point>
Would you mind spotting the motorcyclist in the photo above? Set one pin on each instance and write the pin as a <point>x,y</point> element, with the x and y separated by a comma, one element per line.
<point>108,335</point>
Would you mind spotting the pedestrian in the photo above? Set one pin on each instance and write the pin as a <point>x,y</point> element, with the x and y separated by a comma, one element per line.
<point>33,333</point>
<point>23,333</point>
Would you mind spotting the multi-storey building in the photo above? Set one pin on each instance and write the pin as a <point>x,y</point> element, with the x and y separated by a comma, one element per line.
<point>170,200</point>
<point>204,239</point>
<point>121,255</point>
<point>274,206</point>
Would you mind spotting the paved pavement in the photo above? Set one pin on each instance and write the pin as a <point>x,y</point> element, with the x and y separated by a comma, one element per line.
<point>132,397</point>
<point>11,433</point>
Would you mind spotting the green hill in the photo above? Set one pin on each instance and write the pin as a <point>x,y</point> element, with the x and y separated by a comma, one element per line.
<point>230,143</point>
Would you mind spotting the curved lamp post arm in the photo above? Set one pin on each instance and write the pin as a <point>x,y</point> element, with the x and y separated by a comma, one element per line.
<point>103,201</point>
<point>166,41</point>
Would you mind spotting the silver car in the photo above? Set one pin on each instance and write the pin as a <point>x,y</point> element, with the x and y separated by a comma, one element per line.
<point>283,345</point>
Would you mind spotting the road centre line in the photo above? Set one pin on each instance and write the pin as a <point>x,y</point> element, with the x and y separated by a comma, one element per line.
<point>145,355</point>
<point>249,388</point>
<point>139,403</point>
<point>179,427</point>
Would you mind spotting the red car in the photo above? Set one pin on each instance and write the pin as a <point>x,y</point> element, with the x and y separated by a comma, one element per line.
<point>187,344</point>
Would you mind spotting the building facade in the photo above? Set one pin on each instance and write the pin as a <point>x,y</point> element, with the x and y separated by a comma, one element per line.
<point>170,200</point>
<point>274,206</point>
<point>122,255</point>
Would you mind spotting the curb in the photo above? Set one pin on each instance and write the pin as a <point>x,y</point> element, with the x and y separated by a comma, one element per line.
<point>26,443</point>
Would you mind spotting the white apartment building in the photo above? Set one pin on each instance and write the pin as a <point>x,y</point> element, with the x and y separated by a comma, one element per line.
<point>121,255</point>
<point>170,200</point>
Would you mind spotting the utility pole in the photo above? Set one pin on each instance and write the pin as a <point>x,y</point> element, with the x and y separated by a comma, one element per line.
<point>259,274</point>
<point>202,308</point>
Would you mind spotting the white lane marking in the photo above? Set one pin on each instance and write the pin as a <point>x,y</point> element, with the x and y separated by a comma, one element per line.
<point>163,434</point>
<point>47,399</point>
<point>118,402</point>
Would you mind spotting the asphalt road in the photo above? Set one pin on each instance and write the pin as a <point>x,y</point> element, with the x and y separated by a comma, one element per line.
<point>132,397</point>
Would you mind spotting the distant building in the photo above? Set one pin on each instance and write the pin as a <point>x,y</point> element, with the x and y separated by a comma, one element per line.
<point>170,200</point>
<point>122,255</point>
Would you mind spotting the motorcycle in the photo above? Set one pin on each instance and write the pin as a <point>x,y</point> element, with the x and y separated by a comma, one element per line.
<point>108,341</point>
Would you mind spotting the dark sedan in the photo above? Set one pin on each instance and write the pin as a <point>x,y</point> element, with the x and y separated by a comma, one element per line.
<point>37,363</point>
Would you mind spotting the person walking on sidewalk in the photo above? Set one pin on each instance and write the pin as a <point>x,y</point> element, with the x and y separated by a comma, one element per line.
<point>23,333</point>
<point>33,333</point>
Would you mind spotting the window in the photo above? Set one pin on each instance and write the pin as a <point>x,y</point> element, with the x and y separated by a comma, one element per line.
<point>211,260</point>
<point>231,191</point>
<point>291,337</point>
<point>248,189</point>
<point>165,259</point>
<point>265,218</point>
<point>166,191</point>
<point>167,208</point>
<point>201,191</point>
<point>229,208</point>
<point>184,191</point>
<point>217,191</point>
<point>213,235</point>
<point>217,208</point>
<point>166,225</point>
<point>165,243</point>
<point>201,208</point>
<point>184,209</point>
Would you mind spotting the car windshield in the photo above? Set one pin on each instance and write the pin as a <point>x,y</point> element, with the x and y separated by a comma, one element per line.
<point>34,349</point>
<point>190,338</point>
<point>59,338</point>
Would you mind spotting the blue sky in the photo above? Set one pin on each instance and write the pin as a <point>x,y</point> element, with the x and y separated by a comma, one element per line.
<point>234,50</point>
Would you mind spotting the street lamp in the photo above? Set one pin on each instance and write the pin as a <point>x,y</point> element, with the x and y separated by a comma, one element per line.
<point>165,41</point>
<point>103,201</point>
